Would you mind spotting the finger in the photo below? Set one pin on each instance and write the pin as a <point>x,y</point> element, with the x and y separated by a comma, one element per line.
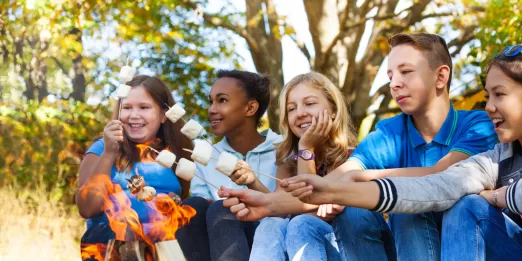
<point>229,202</point>
<point>304,197</point>
<point>298,192</point>
<point>283,184</point>
<point>337,208</point>
<point>312,127</point>
<point>242,179</point>
<point>114,127</point>
<point>296,186</point>
<point>319,126</point>
<point>328,126</point>
<point>242,214</point>
<point>329,209</point>
<point>236,208</point>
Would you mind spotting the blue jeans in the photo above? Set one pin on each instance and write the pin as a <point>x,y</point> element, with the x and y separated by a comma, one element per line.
<point>304,237</point>
<point>363,235</point>
<point>474,230</point>
<point>417,236</point>
<point>229,238</point>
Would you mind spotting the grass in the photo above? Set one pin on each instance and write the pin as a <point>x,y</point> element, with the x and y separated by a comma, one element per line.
<point>34,227</point>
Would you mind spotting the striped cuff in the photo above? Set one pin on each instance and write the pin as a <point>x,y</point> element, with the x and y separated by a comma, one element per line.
<point>388,196</point>
<point>510,199</point>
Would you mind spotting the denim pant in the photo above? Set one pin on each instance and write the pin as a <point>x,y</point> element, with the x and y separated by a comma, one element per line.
<point>474,230</point>
<point>363,235</point>
<point>304,237</point>
<point>417,236</point>
<point>229,238</point>
<point>192,237</point>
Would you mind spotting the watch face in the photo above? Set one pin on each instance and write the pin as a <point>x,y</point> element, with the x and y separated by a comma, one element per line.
<point>306,154</point>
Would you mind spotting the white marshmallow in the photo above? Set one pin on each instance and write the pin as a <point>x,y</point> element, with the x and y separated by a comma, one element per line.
<point>166,158</point>
<point>123,91</point>
<point>126,73</point>
<point>186,169</point>
<point>146,194</point>
<point>175,113</point>
<point>202,152</point>
<point>192,129</point>
<point>226,163</point>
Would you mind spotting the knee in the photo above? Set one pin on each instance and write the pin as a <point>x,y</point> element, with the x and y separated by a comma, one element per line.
<point>197,203</point>
<point>216,211</point>
<point>307,224</point>
<point>272,224</point>
<point>471,206</point>
<point>358,221</point>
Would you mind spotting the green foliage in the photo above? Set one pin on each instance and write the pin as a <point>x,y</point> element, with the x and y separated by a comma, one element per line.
<point>42,144</point>
<point>499,27</point>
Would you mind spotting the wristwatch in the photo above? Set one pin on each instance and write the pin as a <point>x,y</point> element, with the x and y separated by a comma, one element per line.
<point>306,154</point>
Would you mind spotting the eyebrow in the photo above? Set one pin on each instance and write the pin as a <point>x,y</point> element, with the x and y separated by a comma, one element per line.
<point>494,87</point>
<point>217,95</point>
<point>309,96</point>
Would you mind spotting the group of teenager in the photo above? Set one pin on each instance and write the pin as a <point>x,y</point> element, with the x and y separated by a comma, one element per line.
<point>448,178</point>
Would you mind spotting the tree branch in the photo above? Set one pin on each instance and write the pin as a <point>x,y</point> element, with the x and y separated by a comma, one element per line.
<point>300,44</point>
<point>65,72</point>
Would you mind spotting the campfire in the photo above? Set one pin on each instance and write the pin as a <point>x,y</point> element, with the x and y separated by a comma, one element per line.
<point>132,241</point>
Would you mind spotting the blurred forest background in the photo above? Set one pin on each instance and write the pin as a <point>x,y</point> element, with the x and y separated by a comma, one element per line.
<point>59,62</point>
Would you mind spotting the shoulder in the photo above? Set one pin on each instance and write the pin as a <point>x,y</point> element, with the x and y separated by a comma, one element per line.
<point>96,147</point>
<point>472,116</point>
<point>393,124</point>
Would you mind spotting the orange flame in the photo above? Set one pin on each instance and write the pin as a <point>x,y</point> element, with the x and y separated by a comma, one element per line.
<point>168,218</point>
<point>145,146</point>
<point>93,251</point>
<point>165,216</point>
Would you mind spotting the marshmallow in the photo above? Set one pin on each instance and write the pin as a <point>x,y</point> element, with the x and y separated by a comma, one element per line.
<point>226,163</point>
<point>186,169</point>
<point>192,129</point>
<point>136,184</point>
<point>126,73</point>
<point>175,113</point>
<point>123,91</point>
<point>146,194</point>
<point>202,152</point>
<point>166,158</point>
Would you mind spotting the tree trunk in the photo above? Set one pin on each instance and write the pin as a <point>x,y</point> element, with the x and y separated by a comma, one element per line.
<point>266,50</point>
<point>78,80</point>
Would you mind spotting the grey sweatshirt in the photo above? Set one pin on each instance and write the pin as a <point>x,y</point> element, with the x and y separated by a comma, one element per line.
<point>501,166</point>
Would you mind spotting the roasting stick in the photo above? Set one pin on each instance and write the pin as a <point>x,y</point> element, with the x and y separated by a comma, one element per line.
<point>255,171</point>
<point>194,174</point>
<point>201,136</point>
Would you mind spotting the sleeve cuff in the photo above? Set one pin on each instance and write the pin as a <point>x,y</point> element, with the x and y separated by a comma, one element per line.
<point>465,151</point>
<point>387,197</point>
<point>510,199</point>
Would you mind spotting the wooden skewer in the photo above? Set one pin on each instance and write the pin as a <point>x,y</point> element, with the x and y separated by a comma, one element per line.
<point>119,110</point>
<point>255,171</point>
<point>209,142</point>
<point>153,149</point>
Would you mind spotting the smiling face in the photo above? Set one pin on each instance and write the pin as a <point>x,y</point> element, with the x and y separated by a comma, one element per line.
<point>304,102</point>
<point>504,105</point>
<point>228,106</point>
<point>413,83</point>
<point>141,116</point>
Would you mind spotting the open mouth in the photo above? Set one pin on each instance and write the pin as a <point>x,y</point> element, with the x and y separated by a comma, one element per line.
<point>214,123</point>
<point>498,122</point>
<point>136,125</point>
<point>305,125</point>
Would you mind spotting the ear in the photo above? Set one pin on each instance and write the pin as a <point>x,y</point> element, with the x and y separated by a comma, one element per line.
<point>443,75</point>
<point>252,107</point>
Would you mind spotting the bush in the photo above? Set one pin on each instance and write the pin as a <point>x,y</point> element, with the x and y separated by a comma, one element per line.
<point>43,144</point>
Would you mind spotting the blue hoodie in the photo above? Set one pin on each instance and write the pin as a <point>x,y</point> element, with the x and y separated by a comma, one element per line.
<point>262,158</point>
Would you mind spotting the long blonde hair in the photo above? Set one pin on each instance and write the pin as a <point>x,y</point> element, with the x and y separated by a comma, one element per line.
<point>342,135</point>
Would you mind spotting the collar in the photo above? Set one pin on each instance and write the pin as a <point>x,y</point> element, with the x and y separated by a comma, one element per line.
<point>444,135</point>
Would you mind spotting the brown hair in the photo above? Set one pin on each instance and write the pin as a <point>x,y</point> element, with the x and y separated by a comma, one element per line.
<point>168,135</point>
<point>432,46</point>
<point>510,65</point>
<point>342,136</point>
